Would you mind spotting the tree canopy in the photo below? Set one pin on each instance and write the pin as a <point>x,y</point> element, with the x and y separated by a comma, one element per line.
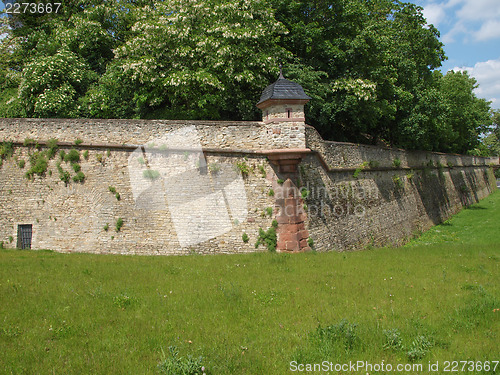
<point>370,66</point>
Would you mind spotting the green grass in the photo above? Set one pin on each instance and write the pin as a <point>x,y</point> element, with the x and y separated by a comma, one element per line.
<point>478,224</point>
<point>255,313</point>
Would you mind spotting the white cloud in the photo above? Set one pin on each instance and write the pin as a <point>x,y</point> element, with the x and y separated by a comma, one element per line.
<point>474,19</point>
<point>434,14</point>
<point>489,30</point>
<point>487,75</point>
<point>479,10</point>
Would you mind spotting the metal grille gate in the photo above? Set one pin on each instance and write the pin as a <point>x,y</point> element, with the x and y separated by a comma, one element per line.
<point>24,233</point>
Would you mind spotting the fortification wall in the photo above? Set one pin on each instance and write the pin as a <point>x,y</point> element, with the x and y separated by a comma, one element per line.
<point>361,195</point>
<point>234,135</point>
<point>357,196</point>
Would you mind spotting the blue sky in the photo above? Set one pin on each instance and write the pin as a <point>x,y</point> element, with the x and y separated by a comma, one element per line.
<point>470,30</point>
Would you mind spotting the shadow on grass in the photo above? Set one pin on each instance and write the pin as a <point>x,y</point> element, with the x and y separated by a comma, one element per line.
<point>476,208</point>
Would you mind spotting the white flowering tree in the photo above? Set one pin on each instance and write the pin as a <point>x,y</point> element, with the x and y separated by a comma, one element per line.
<point>194,59</point>
<point>51,86</point>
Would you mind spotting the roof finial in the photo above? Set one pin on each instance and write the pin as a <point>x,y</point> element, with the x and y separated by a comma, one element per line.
<point>281,71</point>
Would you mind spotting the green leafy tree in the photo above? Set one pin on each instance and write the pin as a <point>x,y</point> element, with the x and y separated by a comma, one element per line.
<point>492,140</point>
<point>364,63</point>
<point>467,115</point>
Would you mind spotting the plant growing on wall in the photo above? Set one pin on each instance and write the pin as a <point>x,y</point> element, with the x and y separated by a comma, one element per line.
<point>39,165</point>
<point>73,156</point>
<point>112,189</point>
<point>243,168</point>
<point>52,148</point>
<point>63,175</point>
<point>310,243</point>
<point>151,174</point>
<point>397,181</point>
<point>6,150</point>
<point>262,171</point>
<point>79,177</point>
<point>214,168</point>
<point>268,238</point>
<point>304,193</point>
<point>397,162</point>
<point>119,224</point>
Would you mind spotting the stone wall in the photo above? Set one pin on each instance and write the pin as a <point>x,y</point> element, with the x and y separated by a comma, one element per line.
<point>353,195</point>
<point>361,195</point>
<point>231,135</point>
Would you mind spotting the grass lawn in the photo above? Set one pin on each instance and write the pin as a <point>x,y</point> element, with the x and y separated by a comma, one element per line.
<point>435,300</point>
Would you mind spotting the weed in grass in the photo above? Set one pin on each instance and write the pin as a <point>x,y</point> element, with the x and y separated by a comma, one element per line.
<point>175,365</point>
<point>122,301</point>
<point>419,347</point>
<point>62,331</point>
<point>342,334</point>
<point>231,292</point>
<point>334,342</point>
<point>393,339</point>
<point>476,310</point>
<point>10,332</point>
<point>268,297</point>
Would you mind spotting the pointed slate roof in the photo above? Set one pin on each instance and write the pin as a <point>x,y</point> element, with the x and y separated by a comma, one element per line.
<point>283,89</point>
